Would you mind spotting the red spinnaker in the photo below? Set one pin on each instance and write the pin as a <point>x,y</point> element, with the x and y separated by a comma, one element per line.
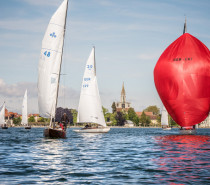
<point>182,79</point>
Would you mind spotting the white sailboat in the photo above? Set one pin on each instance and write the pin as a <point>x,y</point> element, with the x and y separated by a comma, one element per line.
<point>50,67</point>
<point>2,117</point>
<point>164,119</point>
<point>24,121</point>
<point>90,108</point>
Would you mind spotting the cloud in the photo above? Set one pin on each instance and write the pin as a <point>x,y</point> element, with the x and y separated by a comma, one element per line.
<point>13,95</point>
<point>17,89</point>
<point>23,24</point>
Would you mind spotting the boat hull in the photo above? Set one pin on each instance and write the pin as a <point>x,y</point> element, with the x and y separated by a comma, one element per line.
<point>93,130</point>
<point>187,132</point>
<point>54,133</point>
<point>4,127</point>
<point>167,128</point>
<point>28,127</point>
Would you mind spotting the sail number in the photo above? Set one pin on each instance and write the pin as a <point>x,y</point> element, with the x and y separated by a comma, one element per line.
<point>185,59</point>
<point>85,85</point>
<point>86,79</point>
<point>47,53</point>
<point>89,67</point>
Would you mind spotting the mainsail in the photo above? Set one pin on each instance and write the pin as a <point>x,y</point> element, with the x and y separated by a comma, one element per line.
<point>50,62</point>
<point>2,114</point>
<point>24,110</point>
<point>90,108</point>
<point>164,117</point>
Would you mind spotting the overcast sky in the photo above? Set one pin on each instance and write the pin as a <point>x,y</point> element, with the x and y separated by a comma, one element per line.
<point>129,36</point>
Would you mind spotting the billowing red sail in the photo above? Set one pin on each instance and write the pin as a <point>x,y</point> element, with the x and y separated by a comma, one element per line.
<point>182,79</point>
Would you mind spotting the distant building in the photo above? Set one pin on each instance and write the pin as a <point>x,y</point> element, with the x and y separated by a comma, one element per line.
<point>153,117</point>
<point>129,123</point>
<point>205,123</point>
<point>123,105</point>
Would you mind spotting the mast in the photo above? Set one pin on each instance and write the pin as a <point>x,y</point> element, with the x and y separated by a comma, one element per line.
<point>56,100</point>
<point>185,26</point>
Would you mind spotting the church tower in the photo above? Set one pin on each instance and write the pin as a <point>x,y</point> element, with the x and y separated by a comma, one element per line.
<point>123,105</point>
<point>123,96</point>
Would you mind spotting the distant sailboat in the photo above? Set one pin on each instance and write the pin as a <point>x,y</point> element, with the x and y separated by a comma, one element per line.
<point>2,117</point>
<point>90,108</point>
<point>164,119</point>
<point>25,112</point>
<point>50,67</point>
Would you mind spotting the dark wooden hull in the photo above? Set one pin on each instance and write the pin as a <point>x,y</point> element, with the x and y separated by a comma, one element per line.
<point>54,133</point>
<point>28,127</point>
<point>4,127</point>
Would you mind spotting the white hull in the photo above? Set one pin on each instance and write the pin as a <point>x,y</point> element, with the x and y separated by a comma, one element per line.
<point>169,128</point>
<point>93,130</point>
<point>186,132</point>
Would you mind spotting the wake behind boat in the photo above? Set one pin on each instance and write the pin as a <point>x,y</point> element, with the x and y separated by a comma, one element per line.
<point>49,69</point>
<point>90,108</point>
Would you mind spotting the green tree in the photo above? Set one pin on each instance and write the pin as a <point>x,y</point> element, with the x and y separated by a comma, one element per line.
<point>113,119</point>
<point>74,114</point>
<point>145,120</point>
<point>153,108</point>
<point>120,117</point>
<point>133,116</point>
<point>41,119</point>
<point>17,121</point>
<point>107,117</point>
<point>172,122</point>
<point>114,109</point>
<point>31,119</point>
<point>105,111</point>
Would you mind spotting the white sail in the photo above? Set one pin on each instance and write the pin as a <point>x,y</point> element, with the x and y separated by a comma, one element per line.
<point>50,62</point>
<point>90,108</point>
<point>2,114</point>
<point>25,110</point>
<point>164,117</point>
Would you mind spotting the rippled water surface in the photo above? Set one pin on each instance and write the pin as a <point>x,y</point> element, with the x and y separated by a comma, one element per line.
<point>122,156</point>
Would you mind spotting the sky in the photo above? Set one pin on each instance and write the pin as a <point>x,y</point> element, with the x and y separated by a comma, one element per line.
<point>129,37</point>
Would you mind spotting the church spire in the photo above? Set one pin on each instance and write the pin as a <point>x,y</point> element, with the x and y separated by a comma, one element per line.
<point>123,94</point>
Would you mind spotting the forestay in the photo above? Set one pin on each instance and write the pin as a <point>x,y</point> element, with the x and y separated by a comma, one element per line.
<point>90,108</point>
<point>24,110</point>
<point>50,62</point>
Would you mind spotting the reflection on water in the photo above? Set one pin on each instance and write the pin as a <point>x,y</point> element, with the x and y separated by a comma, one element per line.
<point>121,156</point>
<point>184,158</point>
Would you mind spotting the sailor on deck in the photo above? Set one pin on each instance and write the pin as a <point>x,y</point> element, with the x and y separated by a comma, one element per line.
<point>64,120</point>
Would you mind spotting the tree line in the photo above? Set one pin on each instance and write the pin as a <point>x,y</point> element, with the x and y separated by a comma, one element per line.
<point>116,118</point>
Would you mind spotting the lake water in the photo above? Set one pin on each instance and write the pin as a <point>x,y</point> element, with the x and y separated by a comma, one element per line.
<point>122,156</point>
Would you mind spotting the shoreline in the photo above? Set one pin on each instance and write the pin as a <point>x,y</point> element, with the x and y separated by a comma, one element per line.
<point>40,126</point>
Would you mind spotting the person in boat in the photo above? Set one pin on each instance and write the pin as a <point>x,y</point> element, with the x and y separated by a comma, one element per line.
<point>87,126</point>
<point>64,121</point>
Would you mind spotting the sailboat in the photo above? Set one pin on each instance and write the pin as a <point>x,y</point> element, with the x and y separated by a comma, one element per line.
<point>164,119</point>
<point>90,108</point>
<point>2,117</point>
<point>25,112</point>
<point>49,69</point>
<point>181,78</point>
